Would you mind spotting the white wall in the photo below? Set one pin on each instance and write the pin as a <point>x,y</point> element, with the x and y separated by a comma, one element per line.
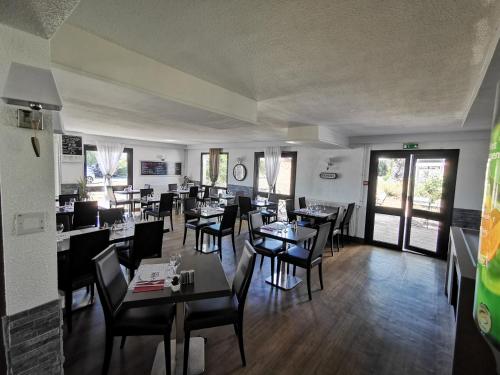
<point>27,185</point>
<point>352,166</point>
<point>145,151</point>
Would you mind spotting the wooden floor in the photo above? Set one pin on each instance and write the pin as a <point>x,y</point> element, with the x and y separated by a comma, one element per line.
<point>381,312</point>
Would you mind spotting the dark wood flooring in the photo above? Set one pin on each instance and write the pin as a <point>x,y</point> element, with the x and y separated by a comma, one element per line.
<point>381,312</point>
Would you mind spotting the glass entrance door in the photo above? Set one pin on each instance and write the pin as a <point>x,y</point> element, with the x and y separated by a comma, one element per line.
<point>410,199</point>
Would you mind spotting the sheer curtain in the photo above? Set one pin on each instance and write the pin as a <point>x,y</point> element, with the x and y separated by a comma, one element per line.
<point>272,157</point>
<point>108,155</point>
<point>213,164</point>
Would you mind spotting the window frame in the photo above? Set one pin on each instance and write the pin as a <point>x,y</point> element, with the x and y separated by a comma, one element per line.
<point>227,171</point>
<point>293,176</point>
<point>130,166</point>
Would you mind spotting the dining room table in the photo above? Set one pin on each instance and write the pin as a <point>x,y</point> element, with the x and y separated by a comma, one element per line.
<point>206,213</point>
<point>263,203</point>
<point>289,235</point>
<point>319,214</point>
<point>210,281</point>
<point>128,192</point>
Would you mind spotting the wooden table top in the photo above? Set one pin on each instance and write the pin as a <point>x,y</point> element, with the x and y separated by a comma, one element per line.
<point>210,281</point>
<point>290,236</point>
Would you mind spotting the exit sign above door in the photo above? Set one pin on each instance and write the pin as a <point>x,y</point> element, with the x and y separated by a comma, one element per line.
<point>410,146</point>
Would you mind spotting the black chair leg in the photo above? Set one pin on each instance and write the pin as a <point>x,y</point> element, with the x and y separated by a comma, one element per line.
<point>232,240</point>
<point>92,292</point>
<point>171,222</point>
<point>197,235</point>
<point>331,243</point>
<point>239,229</point>
<point>309,283</point>
<point>272,268</point>
<point>342,236</point>
<point>186,352</point>
<point>107,353</point>
<point>184,240</point>
<point>294,270</point>
<point>240,341</point>
<point>320,271</point>
<point>338,242</point>
<point>168,362</point>
<point>122,344</point>
<point>261,260</point>
<point>219,244</point>
<point>68,301</point>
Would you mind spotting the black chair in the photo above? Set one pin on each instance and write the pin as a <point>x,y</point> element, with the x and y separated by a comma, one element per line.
<point>136,321</point>
<point>64,219</point>
<point>110,216</point>
<point>66,198</point>
<point>85,214</point>
<point>147,243</point>
<point>75,267</point>
<point>113,202</point>
<point>270,213</point>
<point>333,221</point>
<point>224,228</point>
<point>144,195</point>
<point>193,222</point>
<point>205,198</point>
<point>290,207</point>
<point>164,209</point>
<point>301,257</point>
<point>216,312</point>
<point>245,204</point>
<point>266,247</point>
<point>346,220</point>
<point>193,192</point>
<point>302,202</point>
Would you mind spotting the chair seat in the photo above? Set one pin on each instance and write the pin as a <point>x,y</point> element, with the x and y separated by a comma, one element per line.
<point>215,229</point>
<point>268,246</point>
<point>297,255</point>
<point>211,312</point>
<point>156,213</point>
<point>198,223</point>
<point>145,320</point>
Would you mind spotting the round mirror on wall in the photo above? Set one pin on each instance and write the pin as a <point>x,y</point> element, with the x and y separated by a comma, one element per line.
<point>239,172</point>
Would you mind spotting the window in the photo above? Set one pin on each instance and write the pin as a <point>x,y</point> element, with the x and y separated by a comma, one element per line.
<point>205,176</point>
<point>285,183</point>
<point>123,175</point>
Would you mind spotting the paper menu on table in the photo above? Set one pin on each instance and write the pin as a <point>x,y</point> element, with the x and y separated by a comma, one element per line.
<point>152,272</point>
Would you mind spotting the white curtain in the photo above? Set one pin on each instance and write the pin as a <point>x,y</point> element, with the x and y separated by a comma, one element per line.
<point>108,155</point>
<point>213,164</point>
<point>272,157</point>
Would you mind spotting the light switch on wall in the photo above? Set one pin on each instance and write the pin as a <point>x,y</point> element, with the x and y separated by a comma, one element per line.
<point>30,222</point>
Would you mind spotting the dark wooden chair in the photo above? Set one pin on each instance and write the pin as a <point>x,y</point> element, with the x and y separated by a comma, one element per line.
<point>333,225</point>
<point>85,214</point>
<point>113,202</point>
<point>193,222</point>
<point>344,223</point>
<point>216,312</point>
<point>301,257</point>
<point>224,228</point>
<point>245,204</point>
<point>147,243</point>
<point>136,321</point>
<point>76,269</point>
<point>110,216</point>
<point>193,192</point>
<point>290,207</point>
<point>144,194</point>
<point>270,213</point>
<point>164,209</point>
<point>64,219</point>
<point>205,198</point>
<point>66,198</point>
<point>266,247</point>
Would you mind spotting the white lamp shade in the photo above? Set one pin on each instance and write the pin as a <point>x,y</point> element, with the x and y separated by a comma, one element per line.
<point>28,85</point>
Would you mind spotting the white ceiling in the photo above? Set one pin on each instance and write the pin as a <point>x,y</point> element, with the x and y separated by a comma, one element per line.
<point>363,68</point>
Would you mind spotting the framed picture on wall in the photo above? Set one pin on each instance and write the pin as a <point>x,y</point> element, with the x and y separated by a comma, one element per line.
<point>178,169</point>
<point>154,168</point>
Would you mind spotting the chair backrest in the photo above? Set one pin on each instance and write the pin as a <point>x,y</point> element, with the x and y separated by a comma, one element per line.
<point>213,192</point>
<point>229,217</point>
<point>206,192</point>
<point>347,216</point>
<point>84,247</point>
<point>243,275</point>
<point>172,187</point>
<point>334,217</point>
<point>63,219</point>
<point>166,202</point>
<point>111,195</point>
<point>189,204</point>
<point>110,216</point>
<point>148,241</point>
<point>245,204</point>
<point>85,214</point>
<point>254,221</point>
<point>146,193</point>
<point>193,192</point>
<point>273,197</point>
<point>320,241</point>
<point>66,198</point>
<point>302,202</point>
<point>290,207</point>
<point>111,283</point>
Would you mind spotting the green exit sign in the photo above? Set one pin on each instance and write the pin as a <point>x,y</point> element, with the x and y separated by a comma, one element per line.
<point>410,146</point>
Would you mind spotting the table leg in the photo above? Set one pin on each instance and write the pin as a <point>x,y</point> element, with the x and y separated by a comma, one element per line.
<point>196,364</point>
<point>282,279</point>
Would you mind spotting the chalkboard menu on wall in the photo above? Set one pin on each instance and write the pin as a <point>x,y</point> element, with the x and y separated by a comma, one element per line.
<point>178,169</point>
<point>153,168</point>
<point>71,145</point>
